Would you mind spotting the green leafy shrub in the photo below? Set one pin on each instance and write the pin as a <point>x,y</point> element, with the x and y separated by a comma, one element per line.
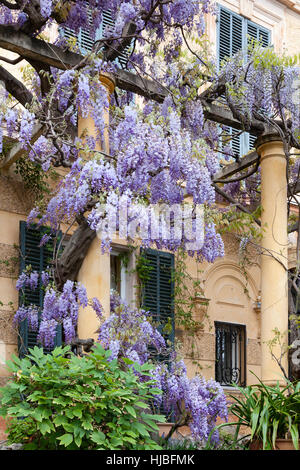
<point>270,412</point>
<point>59,401</point>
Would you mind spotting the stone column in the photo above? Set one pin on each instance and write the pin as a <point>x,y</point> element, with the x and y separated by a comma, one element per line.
<point>95,269</point>
<point>87,125</point>
<point>274,275</point>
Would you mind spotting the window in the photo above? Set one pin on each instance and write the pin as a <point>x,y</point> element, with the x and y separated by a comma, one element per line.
<point>158,298</point>
<point>85,42</point>
<point>230,354</point>
<point>38,257</point>
<point>158,291</point>
<point>233,34</point>
<point>120,279</point>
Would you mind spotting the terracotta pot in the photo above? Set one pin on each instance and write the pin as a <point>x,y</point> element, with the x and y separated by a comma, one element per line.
<point>164,428</point>
<point>280,444</point>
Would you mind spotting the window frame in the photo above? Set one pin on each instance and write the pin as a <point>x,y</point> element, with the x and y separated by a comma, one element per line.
<point>242,365</point>
<point>127,280</point>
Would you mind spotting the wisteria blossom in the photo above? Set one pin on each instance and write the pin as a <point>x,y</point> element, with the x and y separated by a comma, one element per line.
<point>196,402</point>
<point>139,153</point>
<point>59,308</point>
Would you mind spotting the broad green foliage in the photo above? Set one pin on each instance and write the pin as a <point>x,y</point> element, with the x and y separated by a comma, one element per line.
<point>61,401</point>
<point>270,412</point>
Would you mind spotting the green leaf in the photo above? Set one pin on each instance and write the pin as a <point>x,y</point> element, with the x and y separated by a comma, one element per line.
<point>140,428</point>
<point>98,437</point>
<point>45,427</point>
<point>66,439</point>
<point>78,441</point>
<point>60,420</point>
<point>141,404</point>
<point>274,434</point>
<point>77,412</point>
<point>130,410</point>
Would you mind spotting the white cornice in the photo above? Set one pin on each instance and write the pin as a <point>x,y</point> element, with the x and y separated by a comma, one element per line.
<point>292,4</point>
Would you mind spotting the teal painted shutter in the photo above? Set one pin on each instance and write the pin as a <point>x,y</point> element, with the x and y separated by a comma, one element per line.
<point>230,34</point>
<point>256,31</point>
<point>85,41</point>
<point>38,258</point>
<point>233,34</point>
<point>158,289</point>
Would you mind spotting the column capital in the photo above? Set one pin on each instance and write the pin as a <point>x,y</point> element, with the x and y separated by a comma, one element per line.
<point>270,139</point>
<point>108,81</point>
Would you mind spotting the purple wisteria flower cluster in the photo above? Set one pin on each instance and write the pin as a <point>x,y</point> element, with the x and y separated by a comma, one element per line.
<point>59,308</point>
<point>149,161</point>
<point>195,402</point>
<point>129,333</point>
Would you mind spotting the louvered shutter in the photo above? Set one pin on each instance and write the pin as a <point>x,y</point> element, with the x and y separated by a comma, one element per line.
<point>252,139</point>
<point>236,142</point>
<point>230,41</point>
<point>38,258</point>
<point>234,33</point>
<point>85,42</point>
<point>256,31</point>
<point>230,34</point>
<point>158,289</point>
<point>234,139</point>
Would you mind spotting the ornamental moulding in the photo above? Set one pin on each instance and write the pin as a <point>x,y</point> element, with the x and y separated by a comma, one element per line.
<point>221,266</point>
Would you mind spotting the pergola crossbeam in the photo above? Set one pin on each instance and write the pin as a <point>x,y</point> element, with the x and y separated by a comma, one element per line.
<point>236,167</point>
<point>18,150</point>
<point>51,55</point>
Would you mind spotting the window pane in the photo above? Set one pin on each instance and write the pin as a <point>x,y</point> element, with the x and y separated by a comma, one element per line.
<point>230,354</point>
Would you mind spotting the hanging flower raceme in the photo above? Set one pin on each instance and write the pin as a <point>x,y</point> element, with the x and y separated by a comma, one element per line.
<point>149,160</point>
<point>59,308</point>
<point>129,333</point>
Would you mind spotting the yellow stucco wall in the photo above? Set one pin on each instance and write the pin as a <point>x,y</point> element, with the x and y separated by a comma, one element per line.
<point>232,295</point>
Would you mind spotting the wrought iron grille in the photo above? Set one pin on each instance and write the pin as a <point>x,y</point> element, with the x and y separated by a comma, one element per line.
<point>230,354</point>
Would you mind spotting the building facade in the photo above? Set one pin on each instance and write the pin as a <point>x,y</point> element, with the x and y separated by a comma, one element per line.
<point>226,344</point>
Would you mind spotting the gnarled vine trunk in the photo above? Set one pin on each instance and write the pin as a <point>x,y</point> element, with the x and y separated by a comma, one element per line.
<point>72,257</point>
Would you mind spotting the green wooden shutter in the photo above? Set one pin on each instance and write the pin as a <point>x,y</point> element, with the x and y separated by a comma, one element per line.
<point>38,258</point>
<point>158,290</point>
<point>230,39</point>
<point>256,31</point>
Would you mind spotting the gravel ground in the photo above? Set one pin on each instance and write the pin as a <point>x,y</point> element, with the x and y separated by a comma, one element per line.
<point>5,446</point>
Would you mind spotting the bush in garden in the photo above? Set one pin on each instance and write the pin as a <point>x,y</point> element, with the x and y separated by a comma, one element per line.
<point>132,340</point>
<point>61,401</point>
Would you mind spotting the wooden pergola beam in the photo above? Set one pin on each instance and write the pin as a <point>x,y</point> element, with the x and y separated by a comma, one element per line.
<point>223,115</point>
<point>51,55</point>
<point>33,49</point>
<point>18,150</point>
<point>235,167</point>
